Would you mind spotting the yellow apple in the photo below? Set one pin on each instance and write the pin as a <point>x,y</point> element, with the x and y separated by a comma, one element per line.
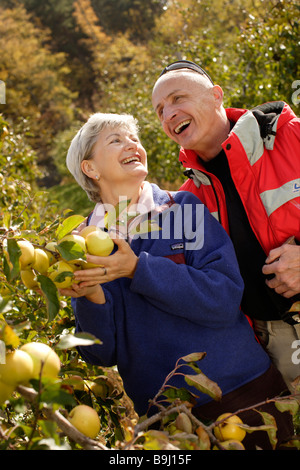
<point>62,267</point>
<point>18,368</point>
<point>229,429</point>
<point>86,420</point>
<point>88,229</point>
<point>42,356</point>
<point>76,239</point>
<point>99,243</point>
<point>6,391</point>
<point>52,253</point>
<point>29,278</point>
<point>41,261</point>
<point>27,254</point>
<point>87,265</point>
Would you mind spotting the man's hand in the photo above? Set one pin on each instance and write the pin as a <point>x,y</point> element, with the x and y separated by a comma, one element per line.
<point>284,263</point>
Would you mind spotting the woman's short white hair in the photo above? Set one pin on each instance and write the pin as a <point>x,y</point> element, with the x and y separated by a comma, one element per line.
<point>83,143</point>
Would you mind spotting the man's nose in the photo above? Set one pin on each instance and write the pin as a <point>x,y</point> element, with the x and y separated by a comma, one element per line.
<point>168,113</point>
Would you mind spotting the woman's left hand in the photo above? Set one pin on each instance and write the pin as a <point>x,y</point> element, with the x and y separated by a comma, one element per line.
<point>121,264</point>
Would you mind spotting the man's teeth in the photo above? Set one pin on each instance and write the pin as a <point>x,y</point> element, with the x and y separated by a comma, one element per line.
<point>130,159</point>
<point>182,126</point>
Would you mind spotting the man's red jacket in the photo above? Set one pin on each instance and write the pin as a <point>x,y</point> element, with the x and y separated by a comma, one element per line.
<point>263,152</point>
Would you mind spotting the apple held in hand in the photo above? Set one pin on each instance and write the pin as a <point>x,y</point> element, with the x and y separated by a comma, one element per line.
<point>99,243</point>
<point>18,368</point>
<point>61,273</point>
<point>229,429</point>
<point>43,357</point>
<point>86,420</point>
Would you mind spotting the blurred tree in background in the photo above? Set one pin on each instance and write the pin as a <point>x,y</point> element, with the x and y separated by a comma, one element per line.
<point>63,60</point>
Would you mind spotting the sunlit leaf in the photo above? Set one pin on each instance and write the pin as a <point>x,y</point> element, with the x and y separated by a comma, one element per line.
<point>79,339</point>
<point>205,385</point>
<point>69,224</point>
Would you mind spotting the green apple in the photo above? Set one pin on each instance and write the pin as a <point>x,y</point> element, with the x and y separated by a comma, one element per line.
<point>26,259</point>
<point>86,420</point>
<point>18,368</point>
<point>99,243</point>
<point>59,268</point>
<point>43,357</point>
<point>41,261</point>
<point>6,391</point>
<point>29,278</point>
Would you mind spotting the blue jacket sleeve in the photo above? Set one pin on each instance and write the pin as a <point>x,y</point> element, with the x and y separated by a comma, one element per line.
<point>97,320</point>
<point>206,290</point>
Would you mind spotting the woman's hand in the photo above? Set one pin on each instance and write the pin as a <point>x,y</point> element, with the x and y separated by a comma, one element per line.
<point>121,264</point>
<point>94,293</point>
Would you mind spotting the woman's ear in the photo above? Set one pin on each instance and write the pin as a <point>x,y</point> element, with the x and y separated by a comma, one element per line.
<point>88,169</point>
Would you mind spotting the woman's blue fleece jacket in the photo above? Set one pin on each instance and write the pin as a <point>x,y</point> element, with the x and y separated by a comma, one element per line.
<point>179,301</point>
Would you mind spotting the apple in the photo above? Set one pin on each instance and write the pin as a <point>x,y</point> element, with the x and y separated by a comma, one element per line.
<point>51,251</point>
<point>18,368</point>
<point>86,420</point>
<point>43,357</point>
<point>41,261</point>
<point>229,429</point>
<point>76,239</point>
<point>6,391</point>
<point>29,278</point>
<point>62,267</point>
<point>99,243</point>
<point>27,254</point>
<point>88,229</point>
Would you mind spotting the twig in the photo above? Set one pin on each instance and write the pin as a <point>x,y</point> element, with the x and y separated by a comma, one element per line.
<point>75,435</point>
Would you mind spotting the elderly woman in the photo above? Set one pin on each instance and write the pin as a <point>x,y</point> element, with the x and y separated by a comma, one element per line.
<point>167,291</point>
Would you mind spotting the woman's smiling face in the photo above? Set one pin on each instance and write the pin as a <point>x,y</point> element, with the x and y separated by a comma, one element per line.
<point>118,157</point>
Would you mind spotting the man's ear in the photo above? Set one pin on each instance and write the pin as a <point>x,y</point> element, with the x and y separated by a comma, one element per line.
<point>218,95</point>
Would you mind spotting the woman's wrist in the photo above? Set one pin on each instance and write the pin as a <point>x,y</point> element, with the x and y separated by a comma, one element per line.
<point>97,296</point>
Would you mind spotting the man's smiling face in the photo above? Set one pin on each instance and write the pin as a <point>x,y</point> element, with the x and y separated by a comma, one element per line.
<point>187,105</point>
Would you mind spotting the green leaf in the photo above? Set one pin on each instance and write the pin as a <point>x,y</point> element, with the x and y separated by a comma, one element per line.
<point>270,421</point>
<point>68,225</point>
<point>79,339</point>
<point>14,253</point>
<point>173,393</point>
<point>205,385</point>
<point>49,289</point>
<point>70,250</point>
<point>292,406</point>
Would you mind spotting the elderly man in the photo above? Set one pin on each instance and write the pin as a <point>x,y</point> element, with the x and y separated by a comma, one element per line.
<point>244,165</point>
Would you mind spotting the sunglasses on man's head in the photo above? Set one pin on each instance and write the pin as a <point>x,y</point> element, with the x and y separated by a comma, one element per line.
<point>185,64</point>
